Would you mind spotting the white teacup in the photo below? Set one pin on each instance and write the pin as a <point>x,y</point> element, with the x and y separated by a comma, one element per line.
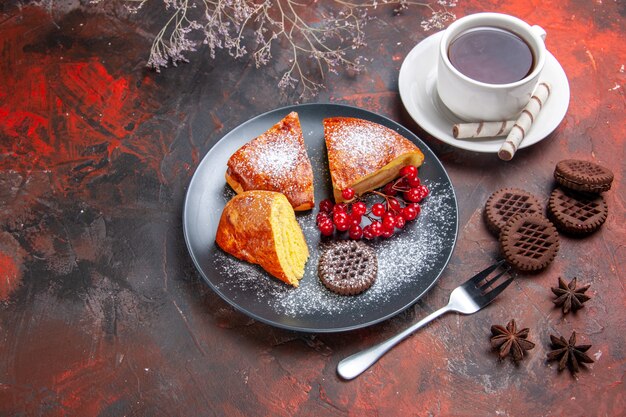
<point>474,100</point>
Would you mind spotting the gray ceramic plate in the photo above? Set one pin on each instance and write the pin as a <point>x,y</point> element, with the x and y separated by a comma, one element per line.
<point>409,263</point>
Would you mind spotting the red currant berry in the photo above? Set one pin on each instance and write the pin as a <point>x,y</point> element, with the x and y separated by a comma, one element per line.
<point>321,216</point>
<point>343,225</point>
<point>401,183</point>
<point>389,221</point>
<point>342,221</point>
<point>389,190</point>
<point>400,222</point>
<point>355,218</point>
<point>414,182</point>
<point>394,204</point>
<point>414,195</point>
<point>377,228</point>
<point>356,232</point>
<point>340,216</point>
<point>327,228</point>
<point>418,208</point>
<point>378,209</point>
<point>324,220</point>
<point>367,232</point>
<point>326,205</point>
<point>424,190</point>
<point>359,208</point>
<point>347,194</point>
<point>386,233</point>
<point>409,213</point>
<point>340,208</point>
<point>409,171</point>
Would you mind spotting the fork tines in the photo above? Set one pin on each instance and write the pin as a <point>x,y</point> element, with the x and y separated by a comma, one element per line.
<point>476,279</point>
<point>482,282</point>
<point>487,284</point>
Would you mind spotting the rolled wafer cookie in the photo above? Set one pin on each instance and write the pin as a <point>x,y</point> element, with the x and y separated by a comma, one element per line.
<point>482,129</point>
<point>524,121</point>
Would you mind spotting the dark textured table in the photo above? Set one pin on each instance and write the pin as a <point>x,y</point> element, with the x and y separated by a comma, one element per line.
<point>103,313</point>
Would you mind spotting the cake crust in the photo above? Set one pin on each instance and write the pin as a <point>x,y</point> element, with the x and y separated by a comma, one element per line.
<point>275,161</point>
<point>246,231</point>
<point>365,155</point>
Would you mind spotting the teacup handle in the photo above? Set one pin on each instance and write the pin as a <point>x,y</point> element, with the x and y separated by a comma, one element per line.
<point>539,31</point>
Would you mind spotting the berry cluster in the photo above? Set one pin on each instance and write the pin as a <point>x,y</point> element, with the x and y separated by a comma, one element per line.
<point>399,204</point>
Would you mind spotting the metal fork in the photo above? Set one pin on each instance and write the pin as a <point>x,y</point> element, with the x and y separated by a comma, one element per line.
<point>468,298</point>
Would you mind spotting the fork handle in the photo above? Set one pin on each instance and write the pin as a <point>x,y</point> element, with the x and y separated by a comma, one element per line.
<point>356,364</point>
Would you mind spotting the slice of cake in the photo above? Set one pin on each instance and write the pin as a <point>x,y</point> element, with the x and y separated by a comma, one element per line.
<point>260,227</point>
<point>364,155</point>
<point>275,161</point>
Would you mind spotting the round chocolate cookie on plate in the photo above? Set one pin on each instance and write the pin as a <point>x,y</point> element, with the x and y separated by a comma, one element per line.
<point>529,242</point>
<point>577,213</point>
<point>347,267</point>
<point>507,202</point>
<point>583,176</point>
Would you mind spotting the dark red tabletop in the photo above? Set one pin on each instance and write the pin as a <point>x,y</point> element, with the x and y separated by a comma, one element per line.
<point>103,313</point>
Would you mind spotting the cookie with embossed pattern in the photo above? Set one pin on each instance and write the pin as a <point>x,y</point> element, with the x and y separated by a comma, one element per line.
<point>583,176</point>
<point>529,242</point>
<point>577,213</point>
<point>347,267</point>
<point>506,203</point>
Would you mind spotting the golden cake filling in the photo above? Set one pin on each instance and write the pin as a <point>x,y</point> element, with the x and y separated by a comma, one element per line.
<point>291,247</point>
<point>364,155</point>
<point>382,176</point>
<point>260,227</point>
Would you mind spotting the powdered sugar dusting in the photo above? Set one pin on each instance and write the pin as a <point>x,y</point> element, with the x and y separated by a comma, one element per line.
<point>275,156</point>
<point>361,141</point>
<point>357,148</point>
<point>407,263</point>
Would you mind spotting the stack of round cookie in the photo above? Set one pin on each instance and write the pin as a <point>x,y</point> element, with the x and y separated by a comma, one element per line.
<point>577,207</point>
<point>529,241</point>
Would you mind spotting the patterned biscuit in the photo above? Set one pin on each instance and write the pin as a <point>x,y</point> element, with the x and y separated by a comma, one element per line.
<point>577,213</point>
<point>347,267</point>
<point>529,242</point>
<point>583,176</point>
<point>507,202</point>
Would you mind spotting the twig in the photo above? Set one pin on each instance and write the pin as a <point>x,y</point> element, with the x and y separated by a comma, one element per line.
<point>328,42</point>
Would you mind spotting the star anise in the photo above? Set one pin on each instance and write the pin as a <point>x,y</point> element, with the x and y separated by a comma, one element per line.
<point>568,353</point>
<point>569,297</point>
<point>510,341</point>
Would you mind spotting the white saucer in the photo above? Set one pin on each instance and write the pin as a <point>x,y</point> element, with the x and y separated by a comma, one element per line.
<point>417,85</point>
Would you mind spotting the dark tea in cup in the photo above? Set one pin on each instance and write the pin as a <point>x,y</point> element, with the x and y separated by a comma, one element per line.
<point>491,55</point>
<point>488,66</point>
